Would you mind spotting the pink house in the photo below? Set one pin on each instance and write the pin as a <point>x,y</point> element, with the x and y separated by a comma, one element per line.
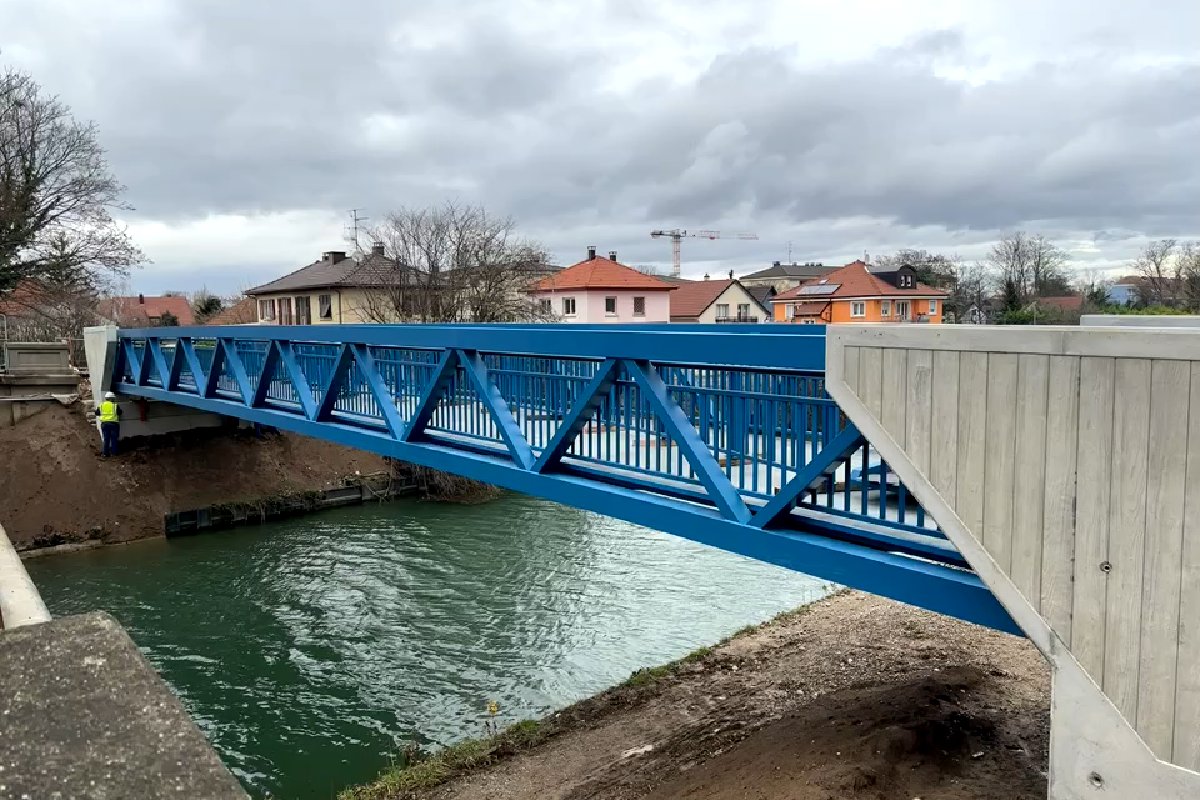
<point>602,290</point>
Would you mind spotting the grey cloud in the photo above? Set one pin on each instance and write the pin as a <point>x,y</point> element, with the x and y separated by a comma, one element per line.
<point>240,109</point>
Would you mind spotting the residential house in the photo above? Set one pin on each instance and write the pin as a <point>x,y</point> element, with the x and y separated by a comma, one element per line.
<point>603,290</point>
<point>336,289</point>
<point>144,311</point>
<point>715,301</point>
<point>1126,291</point>
<point>855,294</point>
<point>782,277</point>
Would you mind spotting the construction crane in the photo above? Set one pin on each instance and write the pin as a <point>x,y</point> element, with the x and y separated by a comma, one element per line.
<point>676,234</point>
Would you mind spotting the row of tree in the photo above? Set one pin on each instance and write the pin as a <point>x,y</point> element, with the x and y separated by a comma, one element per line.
<point>1022,269</point>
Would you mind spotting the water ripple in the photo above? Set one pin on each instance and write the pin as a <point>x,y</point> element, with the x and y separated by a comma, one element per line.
<point>307,650</point>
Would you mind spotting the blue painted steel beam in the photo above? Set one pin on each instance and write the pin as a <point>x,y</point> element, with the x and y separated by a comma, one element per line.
<point>774,347</point>
<point>583,406</point>
<point>947,590</point>
<point>827,459</point>
<point>694,448</point>
<point>497,406</point>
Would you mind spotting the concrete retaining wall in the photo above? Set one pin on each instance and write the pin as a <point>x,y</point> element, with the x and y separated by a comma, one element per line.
<point>1064,463</point>
<point>232,515</point>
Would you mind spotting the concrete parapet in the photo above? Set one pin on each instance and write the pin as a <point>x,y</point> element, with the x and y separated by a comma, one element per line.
<point>84,715</point>
<point>1141,320</point>
<point>20,603</point>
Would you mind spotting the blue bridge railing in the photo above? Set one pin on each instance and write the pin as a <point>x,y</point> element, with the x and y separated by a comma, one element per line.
<point>724,434</point>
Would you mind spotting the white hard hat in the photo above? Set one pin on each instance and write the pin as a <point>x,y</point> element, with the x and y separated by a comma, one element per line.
<point>109,396</point>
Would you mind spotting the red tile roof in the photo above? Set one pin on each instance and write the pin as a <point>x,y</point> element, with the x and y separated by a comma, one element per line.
<point>142,309</point>
<point>692,297</point>
<point>855,280</point>
<point>243,312</point>
<point>1070,302</point>
<point>600,273</point>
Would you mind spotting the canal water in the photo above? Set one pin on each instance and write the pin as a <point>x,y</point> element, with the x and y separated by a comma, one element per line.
<point>310,651</point>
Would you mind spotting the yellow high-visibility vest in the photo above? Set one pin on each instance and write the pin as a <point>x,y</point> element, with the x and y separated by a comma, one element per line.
<point>108,412</point>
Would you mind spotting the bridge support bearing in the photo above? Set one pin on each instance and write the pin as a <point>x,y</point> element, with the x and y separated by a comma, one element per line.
<point>1095,751</point>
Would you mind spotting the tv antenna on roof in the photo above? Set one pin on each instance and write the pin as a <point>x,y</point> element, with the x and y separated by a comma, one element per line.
<point>351,229</point>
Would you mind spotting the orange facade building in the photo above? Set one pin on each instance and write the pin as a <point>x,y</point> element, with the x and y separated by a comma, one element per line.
<point>854,293</point>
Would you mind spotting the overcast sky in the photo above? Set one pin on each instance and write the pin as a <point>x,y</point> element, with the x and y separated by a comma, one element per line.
<point>246,130</point>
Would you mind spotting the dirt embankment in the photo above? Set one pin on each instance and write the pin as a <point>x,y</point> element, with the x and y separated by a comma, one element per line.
<point>55,487</point>
<point>857,698</point>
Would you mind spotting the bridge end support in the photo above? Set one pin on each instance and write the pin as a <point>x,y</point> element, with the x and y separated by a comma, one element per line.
<point>138,417</point>
<point>1095,754</point>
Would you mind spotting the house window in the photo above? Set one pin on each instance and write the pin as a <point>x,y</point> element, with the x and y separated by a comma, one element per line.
<point>266,310</point>
<point>568,306</point>
<point>722,310</point>
<point>325,304</point>
<point>303,310</point>
<point>790,311</point>
<point>743,310</point>
<point>610,306</point>
<point>545,307</point>
<point>858,308</point>
<point>639,306</point>
<point>885,308</point>
<point>902,309</point>
<point>285,311</point>
<point>933,306</point>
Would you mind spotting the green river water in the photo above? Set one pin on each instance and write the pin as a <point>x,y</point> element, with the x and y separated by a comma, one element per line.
<point>309,651</point>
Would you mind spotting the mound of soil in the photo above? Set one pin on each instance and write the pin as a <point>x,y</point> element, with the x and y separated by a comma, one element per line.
<point>55,488</point>
<point>857,698</point>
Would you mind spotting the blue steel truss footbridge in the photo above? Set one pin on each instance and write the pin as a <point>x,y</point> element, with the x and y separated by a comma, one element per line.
<point>1062,466</point>
<point>721,434</point>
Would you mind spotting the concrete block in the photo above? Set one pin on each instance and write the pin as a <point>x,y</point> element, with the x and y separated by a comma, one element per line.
<point>83,715</point>
<point>38,358</point>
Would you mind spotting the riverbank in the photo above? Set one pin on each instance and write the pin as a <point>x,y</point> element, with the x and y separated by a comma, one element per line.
<point>852,698</point>
<point>56,490</point>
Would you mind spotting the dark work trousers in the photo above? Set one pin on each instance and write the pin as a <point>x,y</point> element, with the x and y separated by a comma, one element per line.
<point>110,432</point>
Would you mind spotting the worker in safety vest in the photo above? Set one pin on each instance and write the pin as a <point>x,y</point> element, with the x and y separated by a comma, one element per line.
<point>110,423</point>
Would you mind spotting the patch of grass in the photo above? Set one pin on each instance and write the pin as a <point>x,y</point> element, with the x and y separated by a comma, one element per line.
<point>427,772</point>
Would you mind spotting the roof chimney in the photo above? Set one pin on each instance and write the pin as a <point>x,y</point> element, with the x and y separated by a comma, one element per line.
<point>775,264</point>
<point>612,255</point>
<point>730,274</point>
<point>377,249</point>
<point>591,251</point>
<point>706,276</point>
<point>141,299</point>
<point>334,256</point>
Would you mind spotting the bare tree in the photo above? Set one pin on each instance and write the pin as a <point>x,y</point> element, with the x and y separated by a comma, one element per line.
<point>449,263</point>
<point>48,312</point>
<point>1023,267</point>
<point>55,195</point>
<point>1161,266</point>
